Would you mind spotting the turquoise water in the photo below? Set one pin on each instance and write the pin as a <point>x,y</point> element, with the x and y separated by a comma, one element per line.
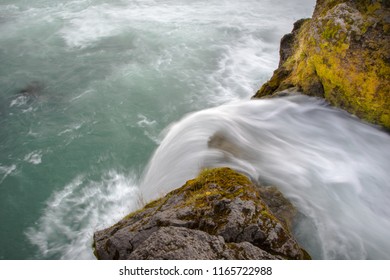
<point>86,90</point>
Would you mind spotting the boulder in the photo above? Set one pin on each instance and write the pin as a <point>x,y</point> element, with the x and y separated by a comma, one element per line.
<point>218,215</point>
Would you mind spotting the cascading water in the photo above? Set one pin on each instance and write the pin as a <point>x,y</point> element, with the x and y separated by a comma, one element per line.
<point>333,167</point>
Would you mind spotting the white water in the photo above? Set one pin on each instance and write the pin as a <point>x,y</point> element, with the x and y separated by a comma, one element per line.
<point>66,228</point>
<point>330,165</point>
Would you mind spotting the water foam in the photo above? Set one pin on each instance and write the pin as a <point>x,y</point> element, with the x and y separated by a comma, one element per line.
<point>236,76</point>
<point>21,100</point>
<point>89,26</point>
<point>34,157</point>
<point>149,127</point>
<point>6,171</point>
<point>333,167</point>
<point>71,215</point>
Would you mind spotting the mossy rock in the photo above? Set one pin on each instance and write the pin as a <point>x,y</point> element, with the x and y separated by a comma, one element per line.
<point>220,206</point>
<point>342,54</point>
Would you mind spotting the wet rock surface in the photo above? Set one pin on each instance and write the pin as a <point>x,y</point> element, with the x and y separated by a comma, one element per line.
<point>218,215</point>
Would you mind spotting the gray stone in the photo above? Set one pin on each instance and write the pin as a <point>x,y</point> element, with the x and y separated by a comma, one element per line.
<point>219,215</point>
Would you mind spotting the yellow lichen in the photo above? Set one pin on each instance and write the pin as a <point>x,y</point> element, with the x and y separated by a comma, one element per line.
<point>330,31</point>
<point>353,70</point>
<point>373,8</point>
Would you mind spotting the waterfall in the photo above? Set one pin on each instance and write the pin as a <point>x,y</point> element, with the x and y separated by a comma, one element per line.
<point>333,167</point>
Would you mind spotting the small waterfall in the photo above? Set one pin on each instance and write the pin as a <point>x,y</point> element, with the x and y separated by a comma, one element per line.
<point>333,167</point>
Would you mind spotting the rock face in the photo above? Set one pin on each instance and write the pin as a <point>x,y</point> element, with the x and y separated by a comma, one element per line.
<point>218,215</point>
<point>342,54</point>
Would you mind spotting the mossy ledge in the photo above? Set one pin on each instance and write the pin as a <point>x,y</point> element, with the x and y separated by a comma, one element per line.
<point>220,214</point>
<point>341,54</point>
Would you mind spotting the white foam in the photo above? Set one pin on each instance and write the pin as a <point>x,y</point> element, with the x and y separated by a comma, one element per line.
<point>89,26</point>
<point>71,128</point>
<point>28,110</point>
<point>19,101</point>
<point>31,133</point>
<point>72,214</point>
<point>81,95</point>
<point>144,121</point>
<point>149,127</point>
<point>241,69</point>
<point>34,157</point>
<point>6,170</point>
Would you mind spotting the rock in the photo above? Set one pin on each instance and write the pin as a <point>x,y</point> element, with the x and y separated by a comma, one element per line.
<point>226,143</point>
<point>32,89</point>
<point>287,42</point>
<point>169,243</point>
<point>342,54</point>
<point>278,205</point>
<point>218,215</point>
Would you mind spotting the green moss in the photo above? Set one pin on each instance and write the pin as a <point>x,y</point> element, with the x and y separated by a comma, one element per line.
<point>326,5</point>
<point>331,30</point>
<point>200,194</point>
<point>220,182</point>
<point>372,8</point>
<point>158,203</point>
<point>386,29</point>
<point>265,213</point>
<point>354,84</point>
<point>225,177</point>
<point>385,118</point>
<point>274,83</point>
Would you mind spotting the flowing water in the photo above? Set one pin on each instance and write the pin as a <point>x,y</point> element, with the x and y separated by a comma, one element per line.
<point>90,89</point>
<point>330,165</point>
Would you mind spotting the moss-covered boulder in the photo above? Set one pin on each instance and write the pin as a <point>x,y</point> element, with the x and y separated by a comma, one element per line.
<point>342,54</point>
<point>218,215</point>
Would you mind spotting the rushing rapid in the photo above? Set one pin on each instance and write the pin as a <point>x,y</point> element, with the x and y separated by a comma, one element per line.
<point>333,167</point>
